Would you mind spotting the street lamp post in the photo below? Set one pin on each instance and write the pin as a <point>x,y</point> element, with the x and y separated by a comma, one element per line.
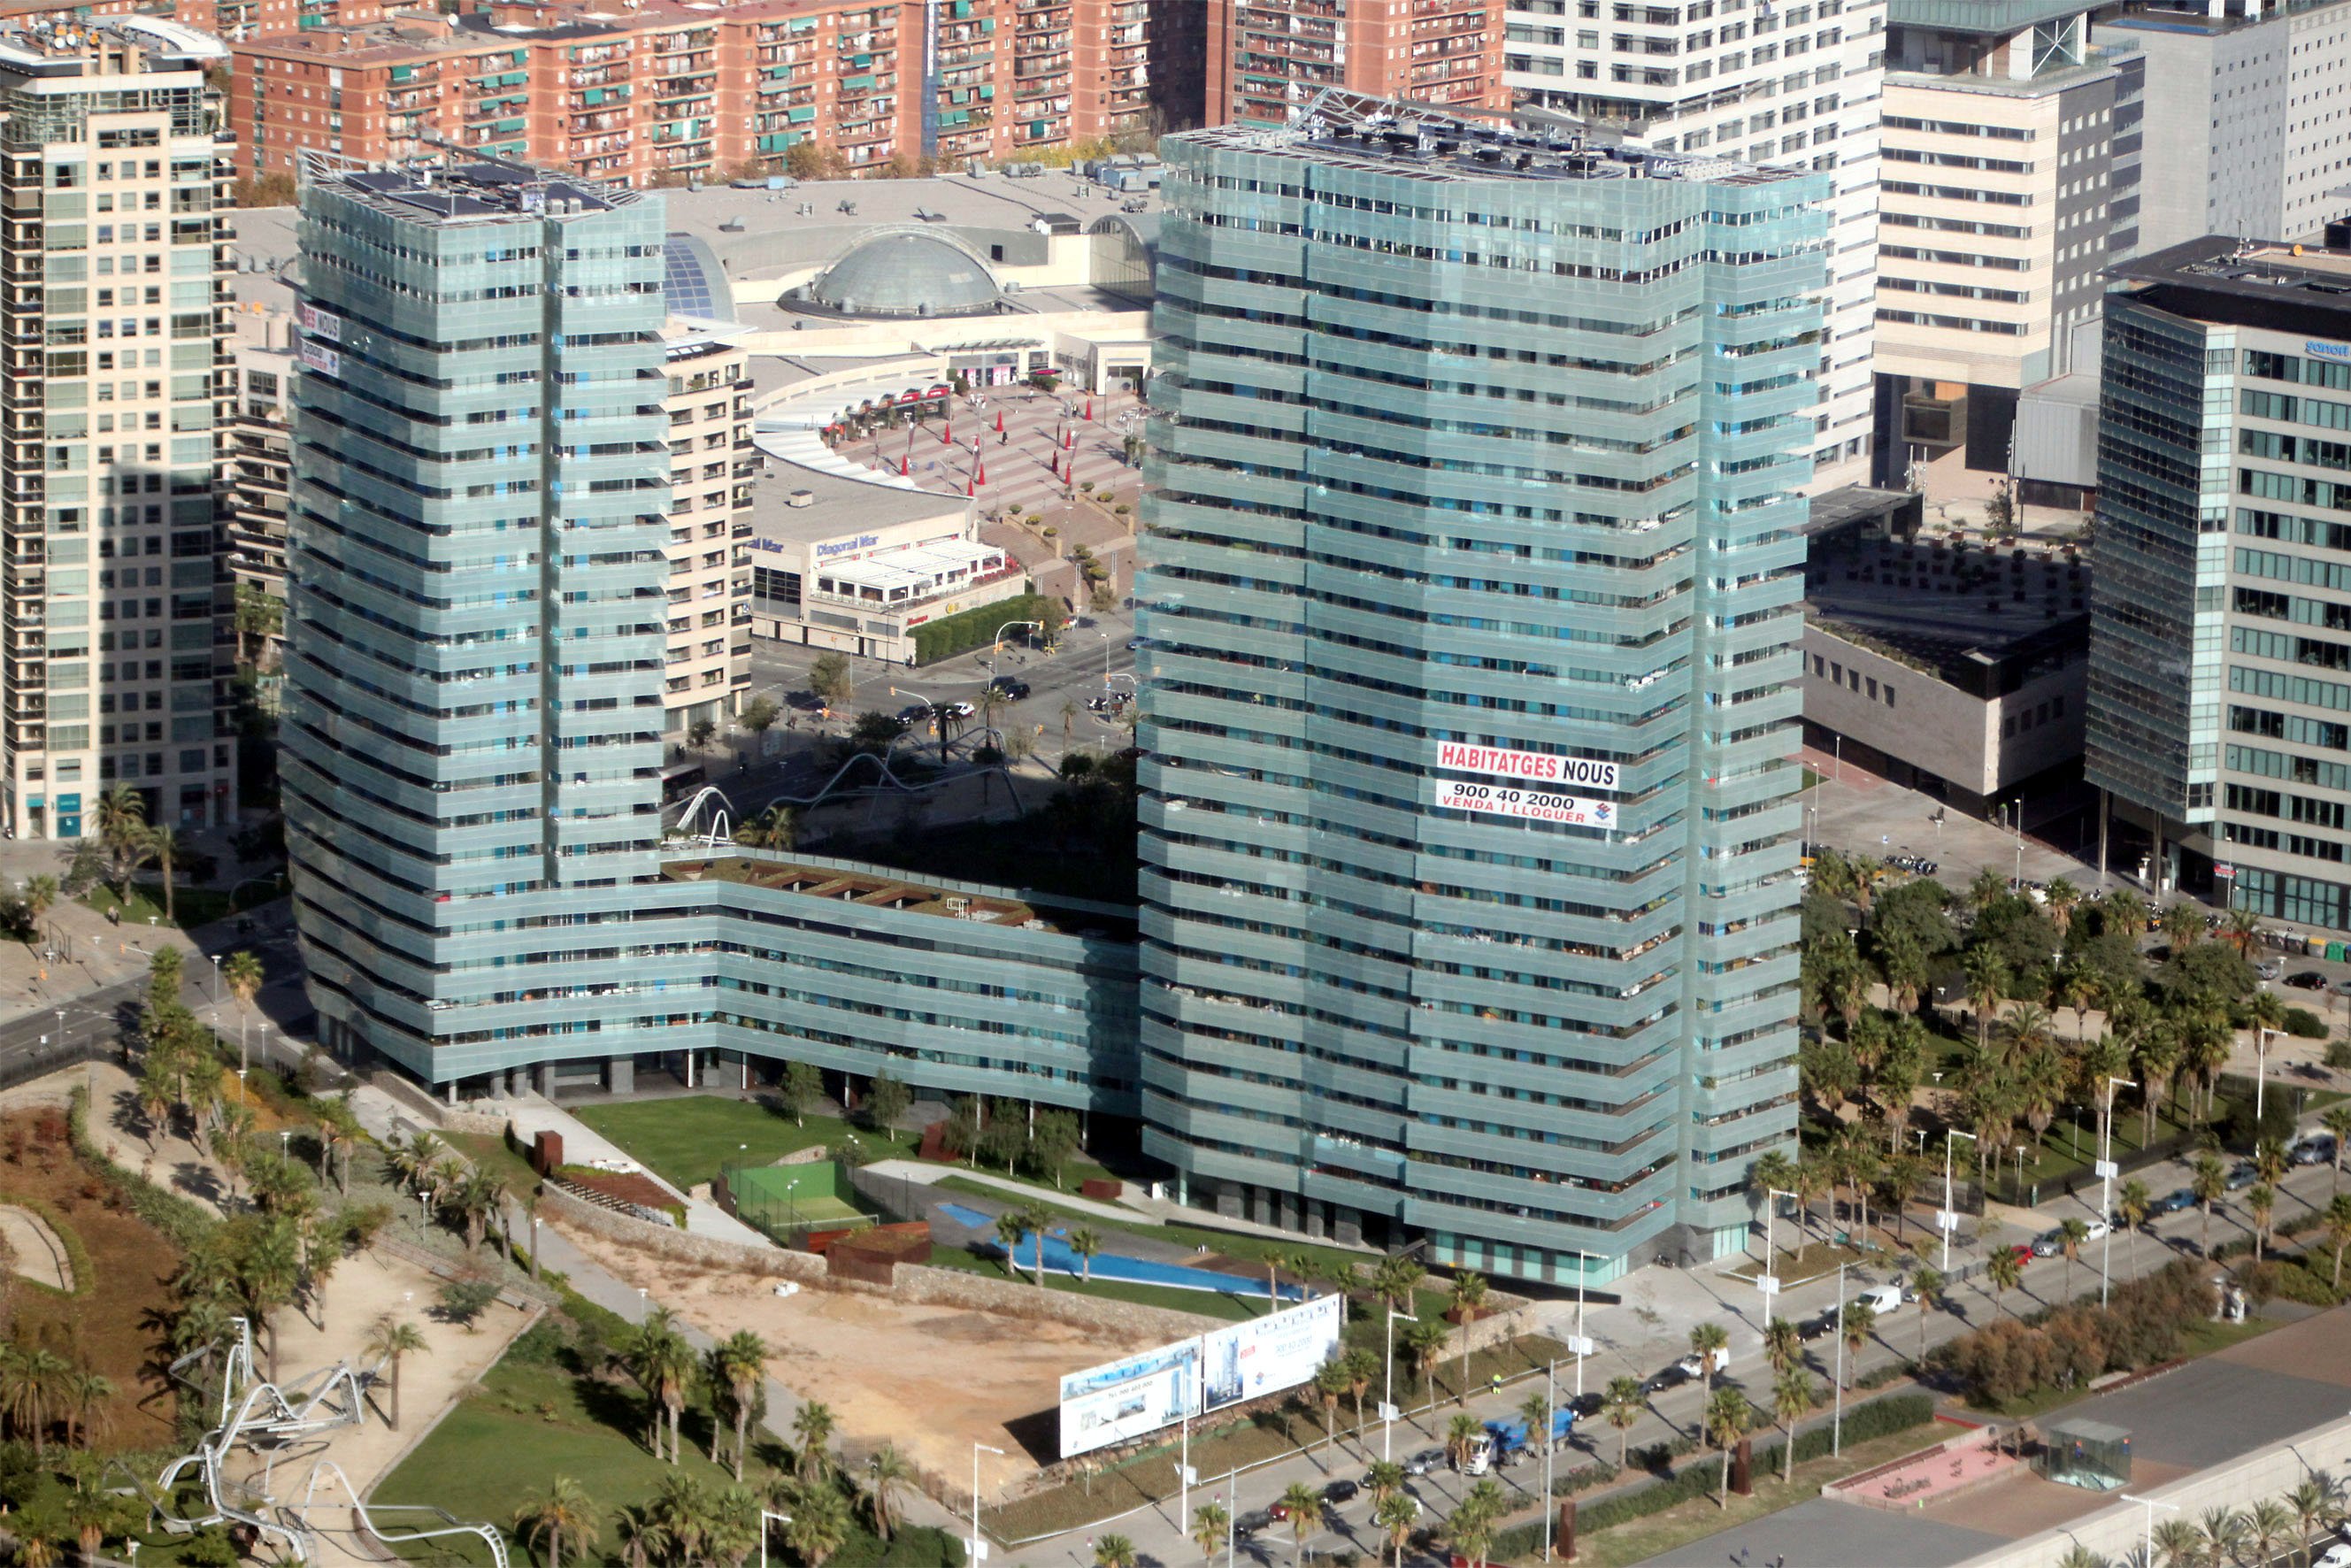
<point>997,641</point>
<point>1387,1395</point>
<point>1769,1284</point>
<point>1837,1420</point>
<point>1945,1219</point>
<point>2146,1545</point>
<point>766,1519</point>
<point>976,1450</point>
<point>2107,1179</point>
<point>2261,1071</point>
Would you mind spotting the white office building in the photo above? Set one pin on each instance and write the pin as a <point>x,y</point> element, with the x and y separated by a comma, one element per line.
<point>1789,85</point>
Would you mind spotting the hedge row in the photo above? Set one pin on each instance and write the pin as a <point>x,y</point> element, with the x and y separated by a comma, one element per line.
<point>959,633</point>
<point>182,1223</point>
<point>1879,1418</point>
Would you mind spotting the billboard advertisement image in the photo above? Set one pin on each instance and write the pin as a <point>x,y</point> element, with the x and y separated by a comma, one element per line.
<point>1121,1400</point>
<point>1268,1354</point>
<point>1534,805</point>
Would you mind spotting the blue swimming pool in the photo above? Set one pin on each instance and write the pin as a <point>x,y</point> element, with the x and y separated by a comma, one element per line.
<point>1059,1260</point>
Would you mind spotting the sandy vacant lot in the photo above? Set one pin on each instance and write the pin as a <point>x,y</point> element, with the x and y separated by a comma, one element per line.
<point>932,1380</point>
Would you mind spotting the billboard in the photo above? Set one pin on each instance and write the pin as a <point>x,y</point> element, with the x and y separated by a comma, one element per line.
<point>1584,772</point>
<point>1268,1354</point>
<point>1121,1400</point>
<point>1531,805</point>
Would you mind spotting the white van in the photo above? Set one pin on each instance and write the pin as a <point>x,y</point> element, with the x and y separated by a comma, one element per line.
<point>1882,1299</point>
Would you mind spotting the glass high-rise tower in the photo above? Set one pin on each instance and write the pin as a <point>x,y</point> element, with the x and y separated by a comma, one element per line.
<point>1468,902</point>
<point>477,596</point>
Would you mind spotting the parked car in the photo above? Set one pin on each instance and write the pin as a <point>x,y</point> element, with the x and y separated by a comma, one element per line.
<point>2335,1556</point>
<point>1421,1463</point>
<point>1672,1376</point>
<point>2270,968</point>
<point>2241,1175</point>
<point>2050,1243</point>
<point>2307,981</point>
<point>1340,1491</point>
<point>2178,1201</point>
<point>2316,1150</point>
<point>1256,1518</point>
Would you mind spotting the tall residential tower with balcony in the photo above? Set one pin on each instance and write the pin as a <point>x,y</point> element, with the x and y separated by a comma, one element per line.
<point>1469,835</point>
<point>113,178</point>
<point>1268,58</point>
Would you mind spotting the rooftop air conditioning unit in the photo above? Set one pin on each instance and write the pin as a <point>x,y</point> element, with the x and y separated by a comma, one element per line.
<point>801,498</point>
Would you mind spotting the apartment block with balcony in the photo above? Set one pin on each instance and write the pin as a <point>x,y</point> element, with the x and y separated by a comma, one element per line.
<point>1267,58</point>
<point>2012,159</point>
<point>1785,86</point>
<point>708,664</point>
<point>259,450</point>
<point>1448,933</point>
<point>114,321</point>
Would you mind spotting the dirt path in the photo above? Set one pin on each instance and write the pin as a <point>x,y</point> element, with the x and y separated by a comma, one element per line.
<point>38,1255</point>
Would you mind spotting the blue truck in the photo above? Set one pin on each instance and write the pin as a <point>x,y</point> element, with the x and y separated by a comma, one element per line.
<point>1503,1436</point>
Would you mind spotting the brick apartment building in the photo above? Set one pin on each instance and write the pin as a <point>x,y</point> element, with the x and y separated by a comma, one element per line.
<point>1268,57</point>
<point>660,91</point>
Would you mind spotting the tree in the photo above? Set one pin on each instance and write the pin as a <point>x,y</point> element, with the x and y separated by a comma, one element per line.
<point>2208,1180</point>
<point>1086,1245</point>
<point>2268,1525</point>
<point>1728,1419</point>
<point>260,615</point>
<point>122,835</point>
<point>1783,1344</point>
<point>2221,1532</point>
<point>886,1471</point>
<point>887,1100</point>
<point>1011,1227</point>
<point>874,731</point>
<point>1860,1321</point>
<point>2005,1271</point>
<point>1114,1551</point>
<point>2336,1120</point>
<point>1209,1522</point>
<point>1708,1341</point>
<point>560,1511</point>
<point>1330,1387</point>
<point>820,1521</point>
<point>662,1363</point>
<point>738,1363</point>
<point>800,1084</point>
<point>814,1428</point>
<point>2071,1231</point>
<point>1468,1299</point>
<point>1622,1404</point>
<point>2132,1205</point>
<point>2261,1204</point>
<point>2336,1220</point>
<point>1425,1342</point>
<point>1792,1401</point>
<point>163,845</point>
<point>1929,1285</point>
<point>1987,979</point>
<point>1395,1280</point>
<point>463,1301</point>
<point>1394,1515</point>
<point>757,715</point>
<point>1463,1435</point>
<point>1303,1506</point>
<point>389,1342</point>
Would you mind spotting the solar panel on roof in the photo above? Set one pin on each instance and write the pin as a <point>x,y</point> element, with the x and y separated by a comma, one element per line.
<point>693,282</point>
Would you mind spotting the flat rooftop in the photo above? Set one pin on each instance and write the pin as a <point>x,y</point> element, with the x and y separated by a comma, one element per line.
<point>881,887</point>
<point>838,505</point>
<point>1392,137</point>
<point>486,191</point>
<point>2267,283</point>
<point>1960,615</point>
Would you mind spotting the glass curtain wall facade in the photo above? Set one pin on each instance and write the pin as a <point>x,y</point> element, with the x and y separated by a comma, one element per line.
<point>1493,444</point>
<point>477,587</point>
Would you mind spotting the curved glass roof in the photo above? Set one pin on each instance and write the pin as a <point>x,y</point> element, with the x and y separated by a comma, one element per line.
<point>692,283</point>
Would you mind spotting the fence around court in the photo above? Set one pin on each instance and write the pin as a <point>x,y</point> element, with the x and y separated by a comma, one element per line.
<point>788,1204</point>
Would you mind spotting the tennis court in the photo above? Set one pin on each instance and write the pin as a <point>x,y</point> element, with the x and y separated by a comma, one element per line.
<point>784,1200</point>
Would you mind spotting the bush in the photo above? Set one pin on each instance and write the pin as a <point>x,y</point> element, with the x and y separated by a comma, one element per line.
<point>958,634</point>
<point>918,1546</point>
<point>181,1223</point>
<point>2142,1325</point>
<point>2303,1024</point>
<point>2338,1053</point>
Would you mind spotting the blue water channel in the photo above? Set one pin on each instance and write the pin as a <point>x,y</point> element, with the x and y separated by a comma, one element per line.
<point>1059,1260</point>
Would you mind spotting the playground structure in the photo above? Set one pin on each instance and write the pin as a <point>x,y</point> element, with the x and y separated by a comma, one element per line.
<point>259,1427</point>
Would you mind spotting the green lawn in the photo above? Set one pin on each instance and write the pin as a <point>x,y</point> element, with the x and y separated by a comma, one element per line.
<point>689,1138</point>
<point>490,1152</point>
<point>193,905</point>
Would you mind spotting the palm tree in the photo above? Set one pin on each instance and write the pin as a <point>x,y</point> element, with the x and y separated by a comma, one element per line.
<point>2337,1219</point>
<point>2261,1204</point>
<point>740,1364</point>
<point>1383,1480</point>
<point>2268,1524</point>
<point>1470,1528</point>
<point>37,1549</point>
<point>1209,1522</point>
<point>1792,1401</point>
<point>122,831</point>
<point>886,1471</point>
<point>560,1511</point>
<point>2313,1501</point>
<point>814,1428</point>
<point>2208,1182</point>
<point>1425,1342</point>
<point>1987,978</point>
<point>1114,1551</point>
<point>1860,1320</point>
<point>1622,1403</point>
<point>643,1539</point>
<point>2005,1270</point>
<point>1773,1172</point>
<point>1331,1385</point>
<point>1463,1434</point>
<point>388,1342</point>
<point>1086,1245</point>
<point>2336,1120</point>
<point>2132,1206</point>
<point>1707,1341</point>
<point>2221,1534</point>
<point>661,1362</point>
<point>1394,1515</point>
<point>1783,1344</point>
<point>1302,1505</point>
<point>1363,1370</point>
<point>1469,1300</point>
<point>1535,1411</point>
<point>163,845</point>
<point>2079,1556</point>
<point>1395,1280</point>
<point>2179,1542</point>
<point>1011,1227</point>
<point>1927,1284</point>
<point>2071,1231</point>
<point>92,1516</point>
<point>1728,1419</point>
<point>819,1525</point>
<point>242,973</point>
<point>88,1393</point>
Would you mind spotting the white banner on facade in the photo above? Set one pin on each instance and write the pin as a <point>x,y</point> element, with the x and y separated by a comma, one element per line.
<point>1584,772</point>
<point>320,358</point>
<point>1530,805</point>
<point>1121,1400</point>
<point>1268,1354</point>
<point>318,323</point>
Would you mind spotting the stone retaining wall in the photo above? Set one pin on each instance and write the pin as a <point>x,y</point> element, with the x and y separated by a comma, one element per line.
<point>915,1284</point>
